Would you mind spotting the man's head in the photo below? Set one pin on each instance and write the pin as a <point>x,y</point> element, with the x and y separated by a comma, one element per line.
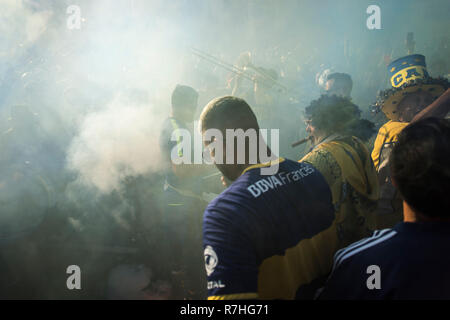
<point>229,113</point>
<point>335,115</point>
<point>421,168</point>
<point>412,104</point>
<point>340,84</point>
<point>184,103</point>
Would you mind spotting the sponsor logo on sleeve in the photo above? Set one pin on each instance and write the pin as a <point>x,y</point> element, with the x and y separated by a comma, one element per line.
<point>211,260</point>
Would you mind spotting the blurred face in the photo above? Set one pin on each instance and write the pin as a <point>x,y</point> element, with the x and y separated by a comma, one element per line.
<point>310,129</point>
<point>328,85</point>
<point>412,104</point>
<point>315,134</point>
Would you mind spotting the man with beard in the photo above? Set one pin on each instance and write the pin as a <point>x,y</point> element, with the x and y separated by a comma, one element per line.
<point>337,133</point>
<point>268,234</point>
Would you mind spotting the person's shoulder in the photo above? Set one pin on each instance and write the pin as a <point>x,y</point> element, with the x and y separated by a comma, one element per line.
<point>376,248</point>
<point>318,154</point>
<point>232,199</point>
<point>289,164</point>
<point>358,146</point>
<point>392,125</point>
<point>310,167</point>
<point>389,124</point>
<point>386,127</point>
<point>240,195</point>
<point>322,160</point>
<point>230,212</point>
<point>168,126</point>
<point>285,166</point>
<point>170,123</point>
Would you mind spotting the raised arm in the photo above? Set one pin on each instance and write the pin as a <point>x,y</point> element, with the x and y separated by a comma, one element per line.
<point>439,108</point>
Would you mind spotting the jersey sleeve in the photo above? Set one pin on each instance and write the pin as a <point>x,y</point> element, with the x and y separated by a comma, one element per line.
<point>378,145</point>
<point>344,281</point>
<point>354,270</point>
<point>230,261</point>
<point>336,287</point>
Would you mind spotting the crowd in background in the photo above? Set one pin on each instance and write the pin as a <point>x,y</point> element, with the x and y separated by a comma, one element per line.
<point>122,237</point>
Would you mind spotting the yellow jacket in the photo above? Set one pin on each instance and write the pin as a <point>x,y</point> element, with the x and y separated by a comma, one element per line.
<point>390,205</point>
<point>346,165</point>
<point>387,134</point>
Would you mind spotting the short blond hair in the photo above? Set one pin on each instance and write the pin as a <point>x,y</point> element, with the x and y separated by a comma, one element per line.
<point>228,113</point>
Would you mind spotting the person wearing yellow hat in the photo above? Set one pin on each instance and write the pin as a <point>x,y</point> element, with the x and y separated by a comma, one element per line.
<point>412,91</point>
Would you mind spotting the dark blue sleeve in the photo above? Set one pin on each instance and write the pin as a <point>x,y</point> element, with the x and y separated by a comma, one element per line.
<point>339,286</point>
<point>230,261</point>
<point>348,281</point>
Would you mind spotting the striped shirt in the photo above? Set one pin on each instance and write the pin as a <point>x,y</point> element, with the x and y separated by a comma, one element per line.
<point>410,261</point>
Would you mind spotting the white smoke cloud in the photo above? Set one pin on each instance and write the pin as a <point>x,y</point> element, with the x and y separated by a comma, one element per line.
<point>114,143</point>
<point>20,26</point>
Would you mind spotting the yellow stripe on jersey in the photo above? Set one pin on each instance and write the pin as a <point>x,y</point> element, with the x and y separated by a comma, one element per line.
<point>235,296</point>
<point>262,165</point>
<point>281,276</point>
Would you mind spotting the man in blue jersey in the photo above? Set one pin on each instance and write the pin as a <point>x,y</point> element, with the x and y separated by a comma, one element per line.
<point>270,234</point>
<point>410,261</point>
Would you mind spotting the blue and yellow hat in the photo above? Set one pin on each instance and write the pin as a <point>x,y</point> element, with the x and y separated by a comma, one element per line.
<point>406,69</point>
<point>407,75</point>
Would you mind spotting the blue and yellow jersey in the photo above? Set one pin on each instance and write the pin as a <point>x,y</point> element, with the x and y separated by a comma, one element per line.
<point>268,236</point>
<point>386,137</point>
